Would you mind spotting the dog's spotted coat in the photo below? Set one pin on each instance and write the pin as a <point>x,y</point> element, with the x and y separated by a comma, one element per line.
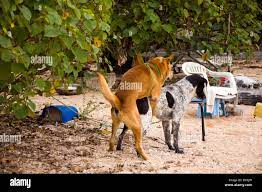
<point>171,107</point>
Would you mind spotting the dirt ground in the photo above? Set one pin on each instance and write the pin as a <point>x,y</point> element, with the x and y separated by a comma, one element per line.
<point>233,144</point>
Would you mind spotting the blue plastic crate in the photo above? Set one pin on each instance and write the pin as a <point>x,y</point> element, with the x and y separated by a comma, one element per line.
<point>67,113</point>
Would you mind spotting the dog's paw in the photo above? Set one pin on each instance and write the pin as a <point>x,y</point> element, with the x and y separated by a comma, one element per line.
<point>171,147</point>
<point>119,148</point>
<point>180,151</point>
<point>111,149</point>
<point>144,157</point>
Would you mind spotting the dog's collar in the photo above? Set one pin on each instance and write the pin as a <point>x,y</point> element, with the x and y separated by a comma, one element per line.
<point>148,65</point>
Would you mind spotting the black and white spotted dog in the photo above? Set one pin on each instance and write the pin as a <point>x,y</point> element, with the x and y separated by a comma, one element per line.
<point>171,107</point>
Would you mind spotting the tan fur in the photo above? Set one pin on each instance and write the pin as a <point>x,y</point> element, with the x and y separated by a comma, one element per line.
<point>125,100</point>
<point>138,60</point>
<point>113,99</point>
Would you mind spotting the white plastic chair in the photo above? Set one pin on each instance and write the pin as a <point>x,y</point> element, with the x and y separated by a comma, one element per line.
<point>225,93</point>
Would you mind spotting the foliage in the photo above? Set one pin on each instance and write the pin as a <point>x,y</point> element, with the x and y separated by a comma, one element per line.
<point>75,33</point>
<point>189,24</point>
<point>70,32</point>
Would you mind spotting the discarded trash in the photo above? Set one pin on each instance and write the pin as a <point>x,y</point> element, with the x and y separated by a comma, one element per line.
<point>258,110</point>
<point>72,89</point>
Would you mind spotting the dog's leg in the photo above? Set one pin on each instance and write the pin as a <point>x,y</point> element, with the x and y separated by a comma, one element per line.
<point>132,120</point>
<point>138,142</point>
<point>167,133</point>
<point>115,126</point>
<point>154,99</point>
<point>175,129</point>
<point>121,137</point>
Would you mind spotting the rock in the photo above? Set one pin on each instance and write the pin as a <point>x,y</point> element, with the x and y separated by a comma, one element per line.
<point>235,111</point>
<point>249,97</point>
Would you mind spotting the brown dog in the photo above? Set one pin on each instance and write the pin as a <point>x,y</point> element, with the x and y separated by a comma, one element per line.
<point>151,76</point>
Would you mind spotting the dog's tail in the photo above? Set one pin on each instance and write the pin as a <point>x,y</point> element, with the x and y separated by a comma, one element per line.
<point>112,98</point>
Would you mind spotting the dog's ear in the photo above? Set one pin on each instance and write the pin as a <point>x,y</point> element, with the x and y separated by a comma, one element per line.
<point>170,58</point>
<point>138,59</point>
<point>200,90</point>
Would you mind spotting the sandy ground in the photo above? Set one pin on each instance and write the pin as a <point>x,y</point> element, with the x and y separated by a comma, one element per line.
<point>233,144</point>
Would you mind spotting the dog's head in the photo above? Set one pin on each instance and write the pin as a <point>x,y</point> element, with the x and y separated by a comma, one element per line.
<point>163,66</point>
<point>200,83</point>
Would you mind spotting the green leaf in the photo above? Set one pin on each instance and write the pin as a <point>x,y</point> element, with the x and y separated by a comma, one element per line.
<point>168,28</point>
<point>5,71</point>
<point>130,31</point>
<point>30,48</point>
<point>103,35</point>
<point>18,2</point>
<point>72,21</point>
<point>75,73</point>
<point>60,3</point>
<point>137,11</point>
<point>20,34</point>
<point>51,31</point>
<point>185,12</point>
<point>26,12</point>
<point>5,42</point>
<point>81,41</point>
<point>6,55</point>
<point>75,9</point>
<point>2,99</point>
<point>31,105</point>
<point>66,64</point>
<point>53,16</point>
<point>156,27</point>
<point>104,26</point>
<point>77,13</point>
<point>17,68</point>
<point>20,110</point>
<point>154,4</point>
<point>68,41</point>
<point>151,16</point>
<point>95,49</point>
<point>40,84</point>
<point>5,5</point>
<point>90,25</point>
<point>55,46</point>
<point>18,87</point>
<point>216,26</point>
<point>80,54</point>
<point>107,4</point>
<point>25,59</point>
<point>136,39</point>
<point>82,1</point>
<point>36,29</point>
<point>87,16</point>
<point>199,2</point>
